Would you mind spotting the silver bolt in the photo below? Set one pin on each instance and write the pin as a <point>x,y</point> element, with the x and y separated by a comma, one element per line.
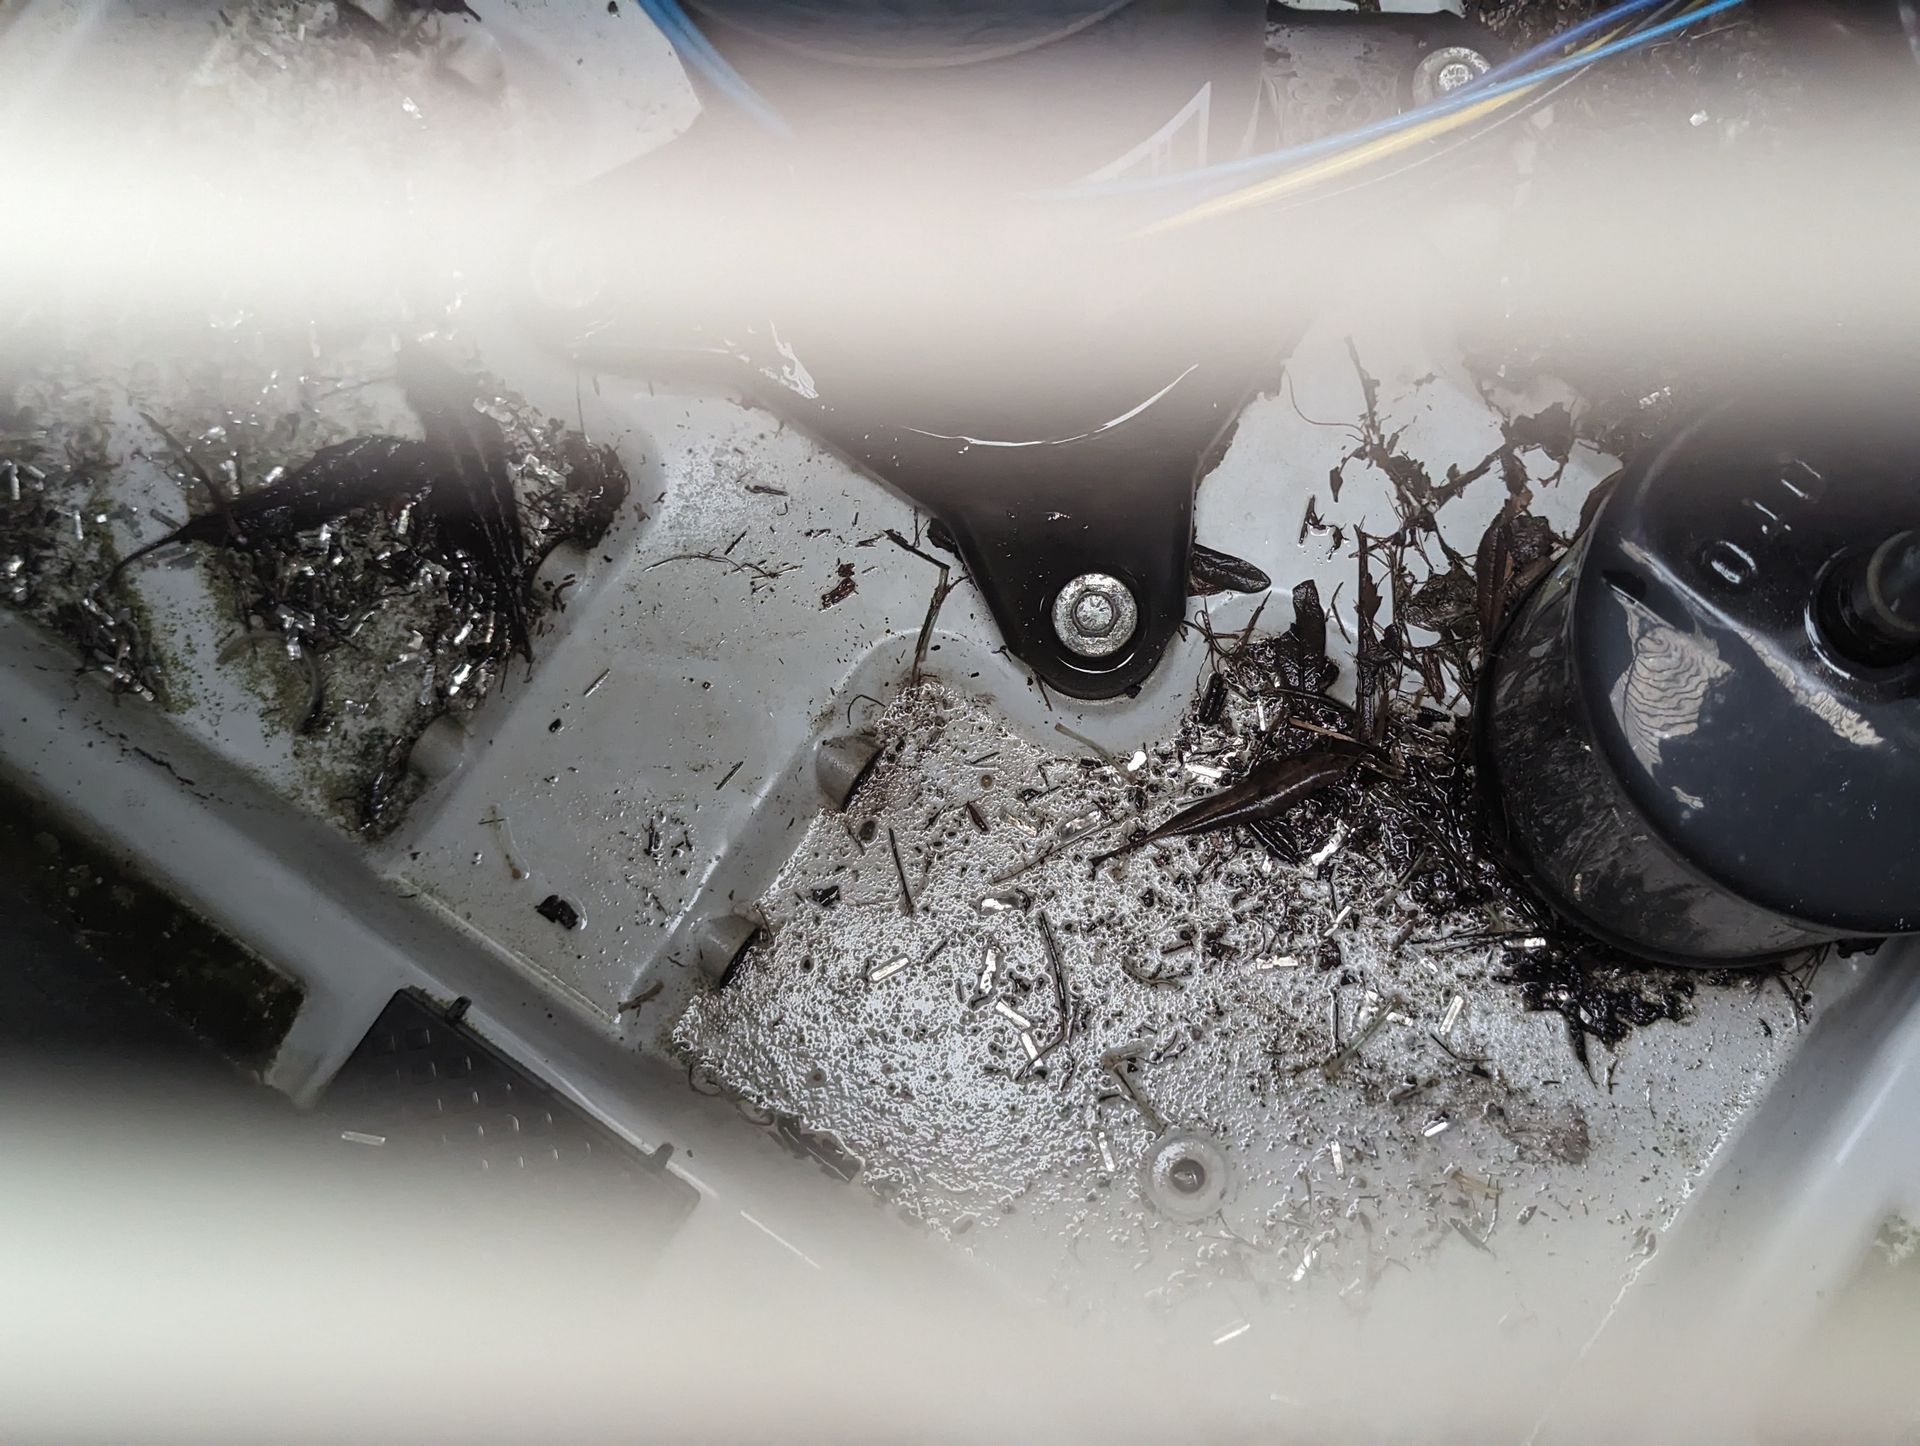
<point>1095,615</point>
<point>1185,1175</point>
<point>1445,70</point>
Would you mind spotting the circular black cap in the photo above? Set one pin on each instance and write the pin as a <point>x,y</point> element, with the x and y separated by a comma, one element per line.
<point>1740,644</point>
<point>1870,606</point>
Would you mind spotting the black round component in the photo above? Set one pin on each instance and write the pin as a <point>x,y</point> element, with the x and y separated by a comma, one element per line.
<point>1704,727</point>
<point>1870,604</point>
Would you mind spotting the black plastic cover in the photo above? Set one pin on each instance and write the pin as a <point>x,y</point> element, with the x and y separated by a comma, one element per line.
<point>1774,763</point>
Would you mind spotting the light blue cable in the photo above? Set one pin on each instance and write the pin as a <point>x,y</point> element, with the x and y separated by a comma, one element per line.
<point>697,51</point>
<point>1551,47</point>
<point>1453,101</point>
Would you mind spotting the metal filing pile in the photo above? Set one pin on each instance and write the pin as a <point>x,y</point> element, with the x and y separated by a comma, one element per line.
<point>1214,1062</point>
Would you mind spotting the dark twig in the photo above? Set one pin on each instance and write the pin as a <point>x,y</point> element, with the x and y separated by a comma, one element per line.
<point>766,574</point>
<point>906,893</point>
<point>946,585</point>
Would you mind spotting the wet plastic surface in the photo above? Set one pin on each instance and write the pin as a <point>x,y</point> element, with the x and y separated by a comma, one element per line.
<point>706,647</point>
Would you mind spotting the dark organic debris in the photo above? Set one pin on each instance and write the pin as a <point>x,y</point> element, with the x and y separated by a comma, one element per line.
<point>1210,572</point>
<point>472,497</point>
<point>1550,430</point>
<point>1445,603</point>
<point>823,1147</point>
<point>336,480</point>
<point>1063,1000</point>
<point>1598,1000</point>
<point>841,590</point>
<point>1376,663</point>
<point>597,488</point>
<point>640,1000</point>
<point>1424,818</point>
<point>1299,655</point>
<point>1268,792</point>
<point>1310,520</point>
<point>1566,1140</point>
<point>1213,702</point>
<point>1515,552</point>
<point>559,911</point>
<point>323,556</point>
<point>941,589</point>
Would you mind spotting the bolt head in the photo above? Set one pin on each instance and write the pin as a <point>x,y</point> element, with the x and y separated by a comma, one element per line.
<point>1095,615</point>
<point>1445,70</point>
<point>1185,1175</point>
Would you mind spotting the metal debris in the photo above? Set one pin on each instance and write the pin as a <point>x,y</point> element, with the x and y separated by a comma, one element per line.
<point>1272,961</point>
<point>887,970</point>
<point>1326,850</point>
<point>1208,1042</point>
<point>1369,1022</point>
<point>1460,1228</point>
<point>1013,1016</point>
<point>989,978</point>
<point>1075,829</point>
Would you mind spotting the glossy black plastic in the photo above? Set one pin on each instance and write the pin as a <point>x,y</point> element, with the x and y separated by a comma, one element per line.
<point>1688,756</point>
<point>1045,383</point>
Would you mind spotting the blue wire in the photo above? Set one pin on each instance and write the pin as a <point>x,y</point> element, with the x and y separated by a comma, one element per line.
<point>1455,100</point>
<point>698,53</point>
<point>694,47</point>
<point>1549,48</point>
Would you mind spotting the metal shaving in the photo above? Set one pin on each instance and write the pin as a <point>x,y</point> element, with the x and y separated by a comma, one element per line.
<point>967,1117</point>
